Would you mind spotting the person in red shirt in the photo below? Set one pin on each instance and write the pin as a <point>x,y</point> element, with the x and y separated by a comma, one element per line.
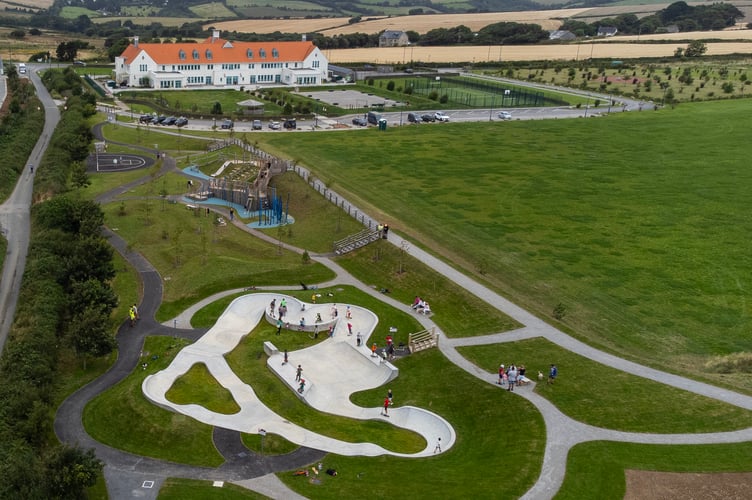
<point>386,407</point>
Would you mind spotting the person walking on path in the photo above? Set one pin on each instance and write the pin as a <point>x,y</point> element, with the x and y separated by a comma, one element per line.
<point>135,311</point>
<point>437,449</point>
<point>502,372</point>
<point>279,326</point>
<point>298,373</point>
<point>285,361</point>
<point>301,387</point>
<point>373,351</point>
<point>386,407</point>
<point>358,340</point>
<point>552,373</point>
<point>390,397</point>
<point>132,316</point>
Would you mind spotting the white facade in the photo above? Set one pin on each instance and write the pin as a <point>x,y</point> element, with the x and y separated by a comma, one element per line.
<point>220,63</point>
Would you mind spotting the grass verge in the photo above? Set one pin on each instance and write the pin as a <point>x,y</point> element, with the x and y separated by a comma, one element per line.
<point>598,395</point>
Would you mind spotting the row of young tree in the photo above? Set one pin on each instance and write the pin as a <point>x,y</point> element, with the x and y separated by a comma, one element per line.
<point>64,305</point>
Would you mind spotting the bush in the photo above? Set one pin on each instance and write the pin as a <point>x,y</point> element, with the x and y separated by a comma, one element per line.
<point>738,362</point>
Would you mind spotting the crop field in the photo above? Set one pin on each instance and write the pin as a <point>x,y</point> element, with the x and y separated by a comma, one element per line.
<point>165,21</point>
<point>496,53</point>
<point>213,10</point>
<point>71,12</point>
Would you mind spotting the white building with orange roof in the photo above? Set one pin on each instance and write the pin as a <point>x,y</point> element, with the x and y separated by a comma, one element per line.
<point>219,63</point>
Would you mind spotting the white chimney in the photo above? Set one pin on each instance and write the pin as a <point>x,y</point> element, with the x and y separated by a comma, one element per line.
<point>215,35</point>
<point>305,37</point>
<point>135,41</point>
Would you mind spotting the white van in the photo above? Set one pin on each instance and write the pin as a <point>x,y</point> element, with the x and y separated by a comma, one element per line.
<point>21,68</point>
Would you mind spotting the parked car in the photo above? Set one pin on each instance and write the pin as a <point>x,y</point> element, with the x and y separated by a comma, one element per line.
<point>274,125</point>
<point>373,117</point>
<point>257,125</point>
<point>505,115</point>
<point>290,124</point>
<point>227,125</point>
<point>413,117</point>
<point>441,116</point>
<point>145,119</point>
<point>159,120</point>
<point>79,63</point>
<point>428,117</point>
<point>170,120</point>
<point>181,122</point>
<point>360,121</point>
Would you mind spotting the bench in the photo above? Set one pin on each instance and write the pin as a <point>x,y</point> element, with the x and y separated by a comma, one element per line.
<point>191,207</point>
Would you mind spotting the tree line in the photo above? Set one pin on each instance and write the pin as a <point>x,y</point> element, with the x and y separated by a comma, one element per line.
<point>64,306</point>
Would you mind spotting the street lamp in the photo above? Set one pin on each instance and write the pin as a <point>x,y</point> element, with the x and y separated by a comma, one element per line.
<point>262,433</point>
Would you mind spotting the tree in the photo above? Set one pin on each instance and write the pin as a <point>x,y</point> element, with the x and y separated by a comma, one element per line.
<point>216,108</point>
<point>70,470</point>
<point>89,332</point>
<point>696,48</point>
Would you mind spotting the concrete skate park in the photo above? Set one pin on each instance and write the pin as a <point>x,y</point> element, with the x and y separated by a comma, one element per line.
<point>332,370</point>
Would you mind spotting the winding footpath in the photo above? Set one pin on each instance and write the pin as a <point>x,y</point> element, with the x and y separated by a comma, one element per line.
<point>131,476</point>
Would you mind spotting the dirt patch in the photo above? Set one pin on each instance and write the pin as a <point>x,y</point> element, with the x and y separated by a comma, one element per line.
<point>651,485</point>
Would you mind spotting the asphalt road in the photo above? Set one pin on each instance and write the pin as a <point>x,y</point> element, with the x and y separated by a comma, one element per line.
<point>15,219</point>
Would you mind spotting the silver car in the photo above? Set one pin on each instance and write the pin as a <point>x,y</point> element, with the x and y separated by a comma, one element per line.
<point>505,115</point>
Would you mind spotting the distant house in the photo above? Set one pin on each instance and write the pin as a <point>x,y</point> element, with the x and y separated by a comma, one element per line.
<point>561,35</point>
<point>215,62</point>
<point>393,38</point>
<point>607,31</point>
<point>673,28</point>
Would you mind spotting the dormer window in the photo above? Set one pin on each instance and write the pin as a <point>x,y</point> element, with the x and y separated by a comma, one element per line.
<point>262,54</point>
<point>249,53</point>
<point>208,54</point>
<point>181,54</point>
<point>195,54</point>
<point>275,53</point>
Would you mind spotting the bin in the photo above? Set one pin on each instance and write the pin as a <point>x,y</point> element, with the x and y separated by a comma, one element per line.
<point>382,124</point>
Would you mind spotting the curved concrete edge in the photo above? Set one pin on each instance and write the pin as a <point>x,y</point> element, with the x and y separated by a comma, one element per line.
<point>336,368</point>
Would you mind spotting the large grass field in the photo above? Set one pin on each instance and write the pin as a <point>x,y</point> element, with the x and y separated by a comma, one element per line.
<point>636,223</point>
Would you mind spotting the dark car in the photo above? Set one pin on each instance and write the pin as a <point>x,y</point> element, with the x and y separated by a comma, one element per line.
<point>227,124</point>
<point>145,119</point>
<point>413,117</point>
<point>159,120</point>
<point>428,117</point>
<point>181,122</point>
<point>360,121</point>
<point>257,125</point>
<point>290,124</point>
<point>373,117</point>
<point>170,120</point>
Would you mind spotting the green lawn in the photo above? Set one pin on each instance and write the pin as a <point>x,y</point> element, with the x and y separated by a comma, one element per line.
<point>598,395</point>
<point>596,469</point>
<point>623,220</point>
<point>122,417</point>
<point>198,386</point>
<point>194,489</point>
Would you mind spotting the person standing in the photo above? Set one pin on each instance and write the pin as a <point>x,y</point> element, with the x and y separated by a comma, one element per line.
<point>373,350</point>
<point>135,311</point>
<point>285,361</point>
<point>386,407</point>
<point>301,387</point>
<point>390,397</point>
<point>552,373</point>
<point>502,372</point>
<point>298,373</point>
<point>279,326</point>
<point>359,340</point>
<point>511,378</point>
<point>349,329</point>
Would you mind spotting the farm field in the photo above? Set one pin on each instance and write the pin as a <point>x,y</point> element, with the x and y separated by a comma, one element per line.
<point>644,250</point>
<point>482,53</point>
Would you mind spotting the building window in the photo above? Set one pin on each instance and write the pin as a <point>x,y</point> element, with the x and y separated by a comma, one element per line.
<point>315,64</point>
<point>249,54</point>
<point>181,54</point>
<point>262,54</point>
<point>195,54</point>
<point>143,67</point>
<point>208,54</point>
<point>275,53</point>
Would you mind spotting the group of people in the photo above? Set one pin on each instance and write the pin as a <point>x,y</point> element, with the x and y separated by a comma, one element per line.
<point>512,376</point>
<point>282,310</point>
<point>383,230</point>
<point>421,305</point>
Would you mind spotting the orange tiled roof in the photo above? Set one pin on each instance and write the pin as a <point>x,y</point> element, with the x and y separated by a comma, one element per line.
<point>222,51</point>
